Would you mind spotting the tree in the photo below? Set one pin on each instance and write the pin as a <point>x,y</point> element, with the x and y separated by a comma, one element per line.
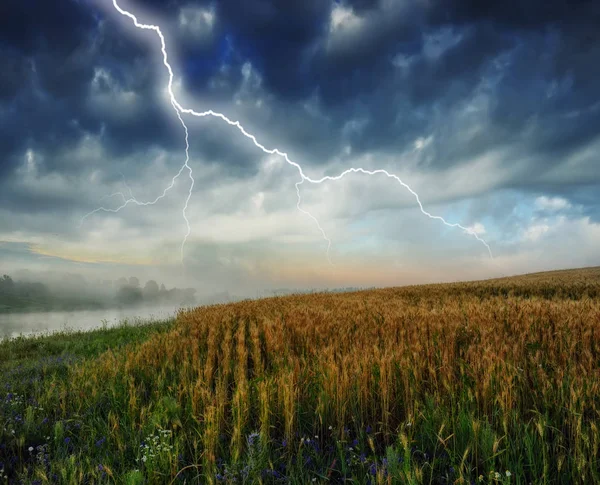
<point>121,282</point>
<point>128,295</point>
<point>151,290</point>
<point>162,293</point>
<point>134,282</point>
<point>6,283</point>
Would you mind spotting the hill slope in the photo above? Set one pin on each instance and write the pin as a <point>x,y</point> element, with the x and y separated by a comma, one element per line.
<point>495,382</point>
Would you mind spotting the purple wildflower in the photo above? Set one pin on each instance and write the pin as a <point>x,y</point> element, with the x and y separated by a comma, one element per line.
<point>252,437</point>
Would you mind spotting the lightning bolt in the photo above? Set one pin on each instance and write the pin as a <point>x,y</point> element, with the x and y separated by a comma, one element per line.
<point>179,109</point>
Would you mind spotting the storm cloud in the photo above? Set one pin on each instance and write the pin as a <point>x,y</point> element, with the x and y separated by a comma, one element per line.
<point>489,111</point>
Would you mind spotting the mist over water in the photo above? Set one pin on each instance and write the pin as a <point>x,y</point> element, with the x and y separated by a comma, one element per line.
<point>15,324</point>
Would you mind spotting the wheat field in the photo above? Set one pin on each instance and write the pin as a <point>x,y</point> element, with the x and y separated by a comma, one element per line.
<point>495,381</point>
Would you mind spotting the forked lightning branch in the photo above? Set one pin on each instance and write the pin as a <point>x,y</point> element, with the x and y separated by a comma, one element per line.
<point>180,110</point>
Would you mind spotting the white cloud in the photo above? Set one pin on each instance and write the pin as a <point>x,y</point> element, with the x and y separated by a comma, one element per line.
<point>258,200</point>
<point>535,231</point>
<point>250,91</point>
<point>421,143</point>
<point>197,22</point>
<point>109,98</point>
<point>343,18</point>
<point>29,166</point>
<point>478,228</point>
<point>552,204</point>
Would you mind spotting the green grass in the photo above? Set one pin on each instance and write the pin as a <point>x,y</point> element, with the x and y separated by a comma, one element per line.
<point>30,367</point>
<point>80,344</point>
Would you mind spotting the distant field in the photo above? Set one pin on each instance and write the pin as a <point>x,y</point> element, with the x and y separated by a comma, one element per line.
<point>482,382</point>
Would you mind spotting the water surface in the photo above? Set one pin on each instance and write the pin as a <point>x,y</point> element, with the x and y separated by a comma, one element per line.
<point>14,324</point>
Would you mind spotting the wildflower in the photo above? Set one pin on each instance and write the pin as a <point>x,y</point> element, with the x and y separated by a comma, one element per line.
<point>100,468</point>
<point>67,440</point>
<point>369,429</point>
<point>330,428</point>
<point>496,475</point>
<point>481,478</point>
<point>30,449</point>
<point>508,474</point>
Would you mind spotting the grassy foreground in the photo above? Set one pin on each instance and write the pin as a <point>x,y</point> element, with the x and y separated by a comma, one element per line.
<point>485,382</point>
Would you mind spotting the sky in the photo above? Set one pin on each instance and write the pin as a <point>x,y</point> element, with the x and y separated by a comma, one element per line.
<point>488,111</point>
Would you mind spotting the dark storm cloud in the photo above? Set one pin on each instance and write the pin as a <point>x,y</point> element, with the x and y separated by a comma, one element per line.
<point>540,105</point>
<point>215,144</point>
<point>517,14</point>
<point>46,88</point>
<point>364,5</point>
<point>558,41</point>
<point>277,37</point>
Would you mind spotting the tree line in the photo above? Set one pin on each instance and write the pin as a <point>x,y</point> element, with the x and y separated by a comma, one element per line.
<point>74,292</point>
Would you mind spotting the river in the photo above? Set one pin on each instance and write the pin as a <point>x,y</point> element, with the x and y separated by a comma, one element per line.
<point>15,324</point>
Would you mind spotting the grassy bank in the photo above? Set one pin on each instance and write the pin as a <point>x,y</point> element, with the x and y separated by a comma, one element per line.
<point>30,367</point>
<point>484,382</point>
